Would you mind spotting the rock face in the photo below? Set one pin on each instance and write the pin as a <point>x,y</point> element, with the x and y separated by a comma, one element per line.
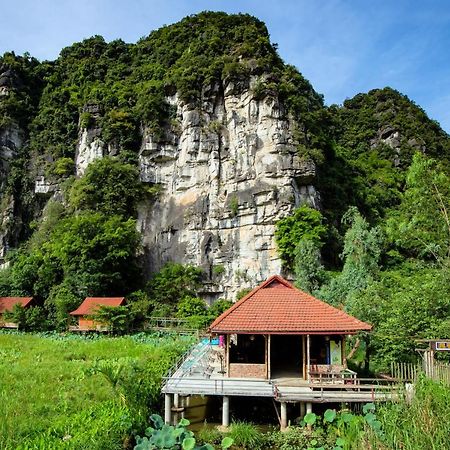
<point>11,139</point>
<point>89,147</point>
<point>228,171</point>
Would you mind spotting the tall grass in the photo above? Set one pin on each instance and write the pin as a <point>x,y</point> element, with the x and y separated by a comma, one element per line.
<point>49,392</point>
<point>422,424</point>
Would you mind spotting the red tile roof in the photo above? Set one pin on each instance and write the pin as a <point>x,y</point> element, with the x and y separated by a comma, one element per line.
<point>278,307</point>
<point>7,303</point>
<point>90,304</point>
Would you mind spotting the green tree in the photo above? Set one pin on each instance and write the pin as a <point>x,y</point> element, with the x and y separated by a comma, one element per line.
<point>118,319</point>
<point>405,304</point>
<point>96,253</point>
<point>361,253</point>
<point>108,186</point>
<point>191,306</point>
<point>420,226</point>
<point>309,271</point>
<point>60,302</point>
<point>173,283</point>
<point>90,253</point>
<point>304,223</point>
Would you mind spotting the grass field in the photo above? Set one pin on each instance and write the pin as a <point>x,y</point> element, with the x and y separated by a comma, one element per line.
<point>73,392</point>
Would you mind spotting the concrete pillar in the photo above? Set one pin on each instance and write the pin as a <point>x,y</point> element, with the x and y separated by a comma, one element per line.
<point>284,421</point>
<point>308,408</point>
<point>302,409</point>
<point>176,404</point>
<point>167,408</point>
<point>183,406</point>
<point>226,411</point>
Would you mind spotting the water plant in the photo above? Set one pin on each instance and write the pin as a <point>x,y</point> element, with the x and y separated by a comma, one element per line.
<point>164,436</point>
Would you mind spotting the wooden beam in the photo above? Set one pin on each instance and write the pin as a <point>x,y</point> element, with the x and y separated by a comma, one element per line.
<point>303,357</point>
<point>343,356</point>
<point>308,356</point>
<point>227,355</point>
<point>269,343</point>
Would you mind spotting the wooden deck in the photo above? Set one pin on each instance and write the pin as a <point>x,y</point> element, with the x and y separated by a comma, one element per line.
<point>200,372</point>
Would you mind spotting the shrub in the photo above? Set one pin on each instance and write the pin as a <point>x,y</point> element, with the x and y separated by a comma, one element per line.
<point>246,435</point>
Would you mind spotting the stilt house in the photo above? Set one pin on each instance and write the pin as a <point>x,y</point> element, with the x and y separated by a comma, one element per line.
<point>7,305</point>
<point>88,308</point>
<point>278,331</point>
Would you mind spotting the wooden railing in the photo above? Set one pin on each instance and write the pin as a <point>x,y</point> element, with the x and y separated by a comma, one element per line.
<point>402,371</point>
<point>409,372</point>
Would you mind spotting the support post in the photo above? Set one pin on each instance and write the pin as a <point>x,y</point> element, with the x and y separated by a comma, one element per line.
<point>167,408</point>
<point>226,412</point>
<point>269,371</point>
<point>227,355</point>
<point>343,355</point>
<point>302,409</point>
<point>308,356</point>
<point>176,404</point>
<point>284,421</point>
<point>304,357</point>
<point>183,406</point>
<point>308,407</point>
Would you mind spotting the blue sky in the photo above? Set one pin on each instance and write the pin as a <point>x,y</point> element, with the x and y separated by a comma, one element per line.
<point>342,46</point>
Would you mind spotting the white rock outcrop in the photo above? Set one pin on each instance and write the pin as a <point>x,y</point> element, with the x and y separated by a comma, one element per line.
<point>89,148</point>
<point>229,170</point>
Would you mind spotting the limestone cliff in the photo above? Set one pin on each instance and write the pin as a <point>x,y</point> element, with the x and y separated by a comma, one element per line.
<point>228,170</point>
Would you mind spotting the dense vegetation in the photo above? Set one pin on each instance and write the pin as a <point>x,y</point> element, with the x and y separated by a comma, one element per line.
<point>379,247</point>
<point>408,425</point>
<point>81,393</point>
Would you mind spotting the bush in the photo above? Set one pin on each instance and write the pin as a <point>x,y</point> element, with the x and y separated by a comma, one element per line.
<point>191,306</point>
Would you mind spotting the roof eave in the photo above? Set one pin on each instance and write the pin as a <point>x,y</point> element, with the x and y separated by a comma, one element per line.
<point>299,332</point>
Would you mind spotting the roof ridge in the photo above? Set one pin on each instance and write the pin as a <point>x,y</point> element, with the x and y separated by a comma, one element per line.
<point>232,308</point>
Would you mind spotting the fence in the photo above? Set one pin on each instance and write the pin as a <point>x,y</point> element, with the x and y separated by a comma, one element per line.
<point>409,372</point>
<point>401,371</point>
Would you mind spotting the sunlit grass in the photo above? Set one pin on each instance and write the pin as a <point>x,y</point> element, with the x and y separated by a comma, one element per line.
<point>44,383</point>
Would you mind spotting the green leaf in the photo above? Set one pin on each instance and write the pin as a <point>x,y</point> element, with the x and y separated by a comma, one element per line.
<point>157,421</point>
<point>340,442</point>
<point>183,423</point>
<point>188,443</point>
<point>368,407</point>
<point>370,418</point>
<point>310,418</point>
<point>347,417</point>
<point>329,415</point>
<point>227,442</point>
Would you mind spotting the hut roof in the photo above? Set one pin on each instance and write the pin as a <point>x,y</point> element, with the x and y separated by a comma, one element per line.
<point>7,303</point>
<point>91,304</point>
<point>278,307</point>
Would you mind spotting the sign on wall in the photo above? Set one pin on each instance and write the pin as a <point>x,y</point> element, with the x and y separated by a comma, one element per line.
<point>442,346</point>
<point>336,352</point>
